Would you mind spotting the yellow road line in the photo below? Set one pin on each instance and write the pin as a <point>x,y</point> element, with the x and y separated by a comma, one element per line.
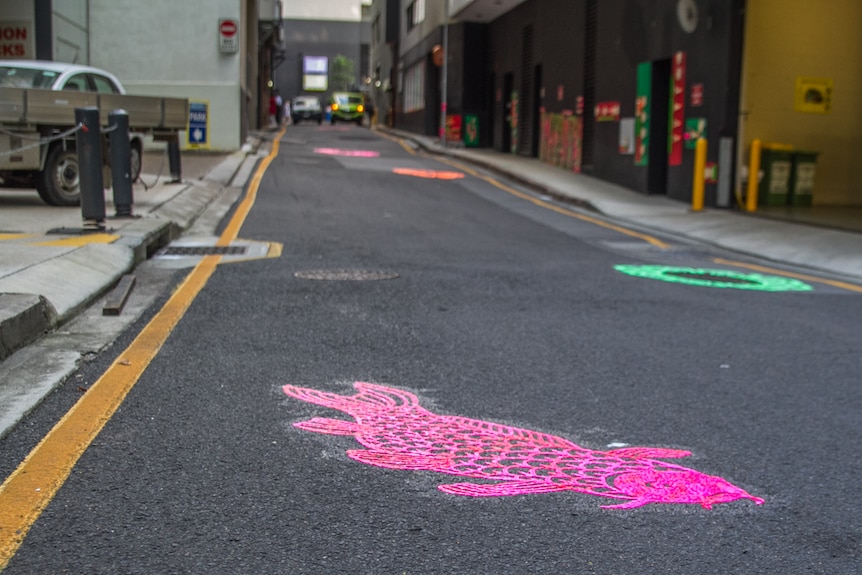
<point>400,141</point>
<point>32,486</point>
<point>804,277</point>
<point>549,206</point>
<point>81,240</point>
<point>16,236</point>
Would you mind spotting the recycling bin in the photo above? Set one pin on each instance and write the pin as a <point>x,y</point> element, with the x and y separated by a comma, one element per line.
<point>777,165</point>
<point>802,181</point>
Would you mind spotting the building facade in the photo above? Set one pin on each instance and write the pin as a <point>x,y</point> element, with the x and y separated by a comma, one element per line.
<point>623,89</point>
<point>157,48</point>
<point>316,36</point>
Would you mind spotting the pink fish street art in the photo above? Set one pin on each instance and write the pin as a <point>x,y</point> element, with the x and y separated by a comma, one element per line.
<point>398,433</point>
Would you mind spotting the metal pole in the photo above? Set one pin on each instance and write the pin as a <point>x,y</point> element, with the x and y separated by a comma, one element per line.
<point>698,184</point>
<point>121,162</point>
<point>174,159</point>
<point>753,176</point>
<point>444,102</point>
<point>89,147</point>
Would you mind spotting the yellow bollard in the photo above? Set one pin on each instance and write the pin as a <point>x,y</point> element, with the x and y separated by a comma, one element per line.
<point>699,183</point>
<point>753,177</point>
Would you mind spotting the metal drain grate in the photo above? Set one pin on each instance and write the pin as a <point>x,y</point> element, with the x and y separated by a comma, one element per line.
<point>347,275</point>
<point>204,251</point>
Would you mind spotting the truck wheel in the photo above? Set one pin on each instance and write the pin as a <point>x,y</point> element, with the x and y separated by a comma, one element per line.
<point>136,161</point>
<point>59,183</point>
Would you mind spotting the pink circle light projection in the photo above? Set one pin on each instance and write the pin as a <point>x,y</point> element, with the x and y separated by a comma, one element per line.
<point>398,433</point>
<point>347,153</point>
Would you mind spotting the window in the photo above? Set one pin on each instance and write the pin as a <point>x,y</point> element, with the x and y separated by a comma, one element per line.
<point>415,13</point>
<point>414,88</point>
<point>104,85</point>
<point>78,83</point>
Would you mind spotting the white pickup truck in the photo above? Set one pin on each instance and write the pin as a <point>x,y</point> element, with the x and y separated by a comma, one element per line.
<point>37,114</point>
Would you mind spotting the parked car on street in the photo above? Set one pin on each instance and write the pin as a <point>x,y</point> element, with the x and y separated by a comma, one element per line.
<point>347,107</point>
<point>306,108</point>
<point>57,180</point>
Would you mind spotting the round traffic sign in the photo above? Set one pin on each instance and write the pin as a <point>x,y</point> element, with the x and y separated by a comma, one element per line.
<point>227,28</point>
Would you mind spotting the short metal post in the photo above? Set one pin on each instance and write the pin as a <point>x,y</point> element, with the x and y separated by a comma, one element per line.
<point>698,184</point>
<point>174,159</point>
<point>753,176</point>
<point>89,147</point>
<point>121,162</point>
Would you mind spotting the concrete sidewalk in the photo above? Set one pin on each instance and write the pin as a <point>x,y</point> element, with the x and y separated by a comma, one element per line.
<point>50,269</point>
<point>821,247</point>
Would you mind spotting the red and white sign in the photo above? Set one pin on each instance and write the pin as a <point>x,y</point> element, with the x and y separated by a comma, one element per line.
<point>228,33</point>
<point>16,39</point>
<point>607,112</point>
<point>677,99</point>
<point>696,95</point>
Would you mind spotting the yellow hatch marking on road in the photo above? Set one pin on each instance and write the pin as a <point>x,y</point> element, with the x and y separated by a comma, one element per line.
<point>16,236</point>
<point>81,240</point>
<point>273,250</point>
<point>757,268</point>
<point>32,486</point>
<point>596,221</point>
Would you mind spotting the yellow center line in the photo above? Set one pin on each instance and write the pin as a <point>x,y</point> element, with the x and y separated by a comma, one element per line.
<point>804,277</point>
<point>32,486</point>
<point>400,141</point>
<point>549,206</point>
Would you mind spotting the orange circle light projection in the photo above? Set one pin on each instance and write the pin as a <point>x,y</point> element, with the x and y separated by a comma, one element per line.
<point>429,174</point>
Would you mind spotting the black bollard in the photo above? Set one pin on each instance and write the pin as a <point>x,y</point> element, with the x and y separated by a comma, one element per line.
<point>174,159</point>
<point>89,147</point>
<point>121,162</point>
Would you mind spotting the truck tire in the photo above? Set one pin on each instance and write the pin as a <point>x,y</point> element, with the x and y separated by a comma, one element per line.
<point>59,183</point>
<point>136,161</point>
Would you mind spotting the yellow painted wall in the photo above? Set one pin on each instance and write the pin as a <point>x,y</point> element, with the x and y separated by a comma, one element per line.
<point>787,39</point>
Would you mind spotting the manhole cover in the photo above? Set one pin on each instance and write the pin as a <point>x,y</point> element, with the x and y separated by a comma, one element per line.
<point>204,251</point>
<point>346,275</point>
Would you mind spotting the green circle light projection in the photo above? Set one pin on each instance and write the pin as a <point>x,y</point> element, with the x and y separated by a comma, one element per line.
<point>715,278</point>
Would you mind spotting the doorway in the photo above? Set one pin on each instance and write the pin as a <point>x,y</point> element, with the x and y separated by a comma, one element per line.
<point>537,111</point>
<point>659,109</point>
<point>508,83</point>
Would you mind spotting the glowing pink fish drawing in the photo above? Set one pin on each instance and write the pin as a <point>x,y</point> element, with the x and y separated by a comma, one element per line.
<point>398,433</point>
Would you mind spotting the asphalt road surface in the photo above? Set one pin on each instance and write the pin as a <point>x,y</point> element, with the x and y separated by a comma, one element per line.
<point>520,381</point>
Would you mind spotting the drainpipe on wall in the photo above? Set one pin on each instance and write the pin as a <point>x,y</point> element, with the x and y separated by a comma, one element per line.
<point>443,101</point>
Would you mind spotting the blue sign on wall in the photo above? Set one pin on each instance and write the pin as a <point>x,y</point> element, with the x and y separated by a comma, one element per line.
<point>198,131</point>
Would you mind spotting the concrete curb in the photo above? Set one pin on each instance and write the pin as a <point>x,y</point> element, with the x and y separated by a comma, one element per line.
<point>75,279</point>
<point>23,318</point>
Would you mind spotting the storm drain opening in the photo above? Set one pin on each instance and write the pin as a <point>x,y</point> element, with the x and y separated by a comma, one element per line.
<point>346,275</point>
<point>204,251</point>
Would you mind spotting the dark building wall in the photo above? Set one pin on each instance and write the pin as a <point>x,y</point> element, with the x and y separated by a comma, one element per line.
<point>427,120</point>
<point>317,38</point>
<point>468,88</point>
<point>635,31</point>
<point>558,47</point>
<point>627,33</point>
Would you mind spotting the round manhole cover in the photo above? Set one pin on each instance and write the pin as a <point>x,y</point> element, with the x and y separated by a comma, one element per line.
<point>346,275</point>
